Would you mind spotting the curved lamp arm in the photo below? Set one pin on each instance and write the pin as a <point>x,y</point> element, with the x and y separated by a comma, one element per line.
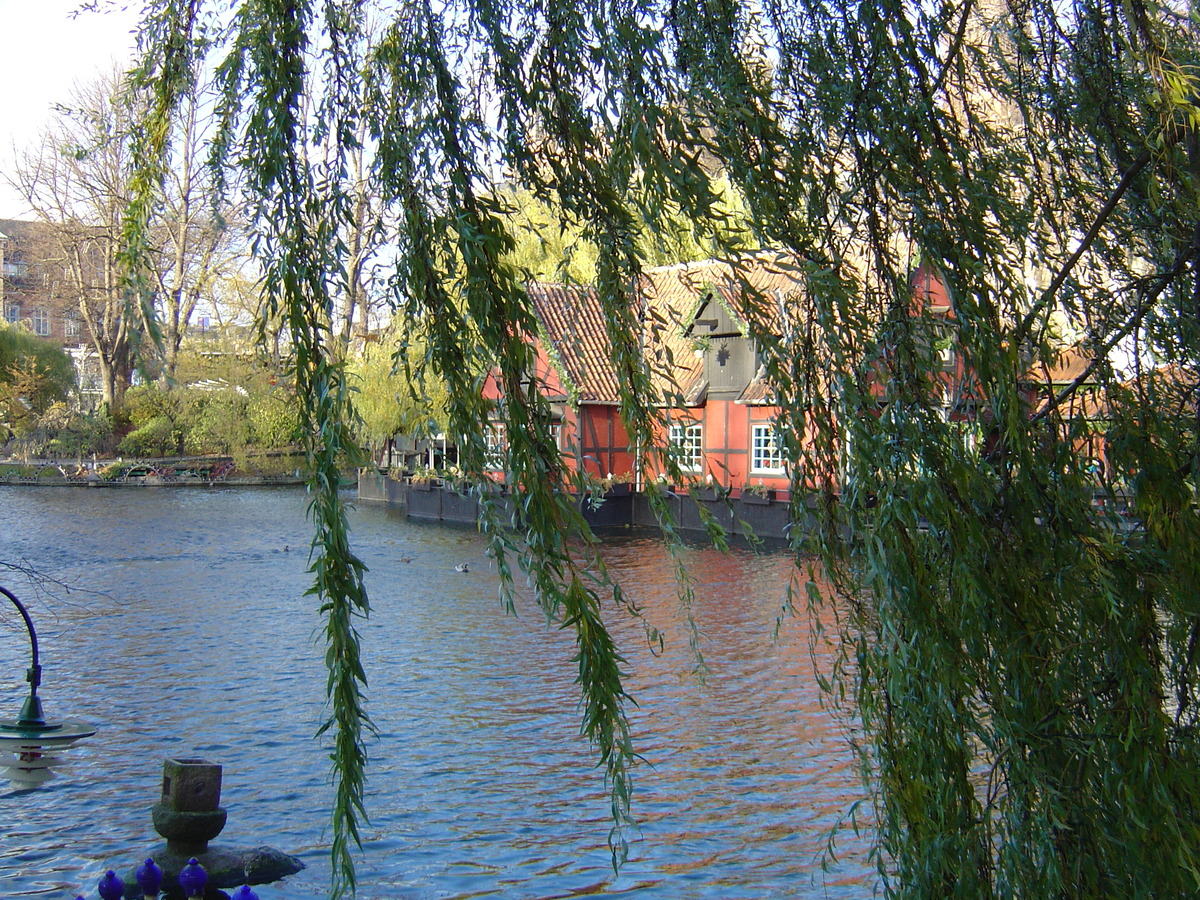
<point>31,712</point>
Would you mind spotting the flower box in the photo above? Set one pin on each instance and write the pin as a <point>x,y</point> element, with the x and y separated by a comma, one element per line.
<point>759,497</point>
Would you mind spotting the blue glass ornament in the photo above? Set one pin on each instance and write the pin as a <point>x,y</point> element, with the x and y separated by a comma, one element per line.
<point>111,886</point>
<point>192,878</point>
<point>149,878</point>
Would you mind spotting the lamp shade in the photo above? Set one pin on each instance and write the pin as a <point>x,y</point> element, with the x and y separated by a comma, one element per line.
<point>111,887</point>
<point>149,878</point>
<point>193,878</point>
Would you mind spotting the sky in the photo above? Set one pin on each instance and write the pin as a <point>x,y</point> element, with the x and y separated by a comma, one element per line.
<point>47,52</point>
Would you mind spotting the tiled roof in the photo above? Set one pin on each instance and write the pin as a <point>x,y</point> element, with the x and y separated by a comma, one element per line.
<point>670,294</point>
<point>759,288</point>
<point>1048,381</point>
<point>760,391</point>
<point>573,324</point>
<point>1174,388</point>
<point>750,285</point>
<point>1064,369</point>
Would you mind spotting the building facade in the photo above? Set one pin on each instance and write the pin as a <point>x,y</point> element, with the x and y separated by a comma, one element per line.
<point>33,295</point>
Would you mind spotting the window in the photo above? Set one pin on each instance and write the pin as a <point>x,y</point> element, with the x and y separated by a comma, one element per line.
<point>41,322</point>
<point>12,312</point>
<point>766,450</point>
<point>496,445</point>
<point>15,269</point>
<point>688,442</point>
<point>556,434</point>
<point>71,326</point>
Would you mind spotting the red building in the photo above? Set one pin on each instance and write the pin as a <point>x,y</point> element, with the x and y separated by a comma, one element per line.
<point>576,377</point>
<point>722,426</point>
<point>718,411</point>
<point>27,283</point>
<point>35,276</point>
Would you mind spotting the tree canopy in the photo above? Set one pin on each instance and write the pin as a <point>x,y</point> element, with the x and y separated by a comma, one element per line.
<point>1021,658</point>
<point>394,396</point>
<point>34,374</point>
<point>78,180</point>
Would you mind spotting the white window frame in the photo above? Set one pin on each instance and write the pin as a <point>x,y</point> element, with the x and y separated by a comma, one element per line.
<point>39,322</point>
<point>497,443</point>
<point>12,313</point>
<point>688,441</point>
<point>766,450</point>
<point>72,326</point>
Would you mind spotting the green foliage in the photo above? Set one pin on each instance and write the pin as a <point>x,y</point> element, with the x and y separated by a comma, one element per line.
<point>145,402</point>
<point>273,421</point>
<point>393,394</point>
<point>221,424</point>
<point>34,375</point>
<point>1022,659</point>
<point>550,245</point>
<point>81,435</point>
<point>156,436</point>
<point>164,422</point>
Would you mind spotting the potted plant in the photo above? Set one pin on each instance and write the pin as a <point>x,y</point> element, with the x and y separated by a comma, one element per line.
<point>618,485</point>
<point>423,479</point>
<point>711,490</point>
<point>758,493</point>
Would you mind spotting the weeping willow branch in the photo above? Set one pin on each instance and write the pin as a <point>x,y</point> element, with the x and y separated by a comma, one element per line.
<point>993,620</point>
<point>1144,307</point>
<point>296,243</point>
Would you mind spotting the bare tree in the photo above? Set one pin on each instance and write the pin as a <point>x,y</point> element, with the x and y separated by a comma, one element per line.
<point>344,161</point>
<point>77,181</point>
<point>364,235</point>
<point>193,237</point>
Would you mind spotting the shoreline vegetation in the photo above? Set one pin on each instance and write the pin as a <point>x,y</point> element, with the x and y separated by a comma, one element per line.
<point>195,471</point>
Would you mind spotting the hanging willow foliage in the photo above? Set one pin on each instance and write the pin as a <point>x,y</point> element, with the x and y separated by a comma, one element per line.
<point>1022,658</point>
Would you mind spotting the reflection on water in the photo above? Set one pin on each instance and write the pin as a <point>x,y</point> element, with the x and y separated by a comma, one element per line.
<point>187,632</point>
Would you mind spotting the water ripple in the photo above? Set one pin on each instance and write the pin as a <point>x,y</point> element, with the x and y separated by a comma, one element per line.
<point>187,632</point>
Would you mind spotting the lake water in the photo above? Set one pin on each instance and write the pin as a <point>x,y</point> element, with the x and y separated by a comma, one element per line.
<point>186,632</point>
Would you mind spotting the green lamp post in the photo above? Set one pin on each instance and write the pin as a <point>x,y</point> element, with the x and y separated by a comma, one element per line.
<point>28,743</point>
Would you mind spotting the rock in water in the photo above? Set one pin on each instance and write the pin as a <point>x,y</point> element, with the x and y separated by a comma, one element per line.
<point>227,867</point>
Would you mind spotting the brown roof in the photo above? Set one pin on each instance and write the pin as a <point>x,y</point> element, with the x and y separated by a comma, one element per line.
<point>1066,366</point>
<point>574,330</point>
<point>760,391</point>
<point>759,289</point>
<point>1173,388</point>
